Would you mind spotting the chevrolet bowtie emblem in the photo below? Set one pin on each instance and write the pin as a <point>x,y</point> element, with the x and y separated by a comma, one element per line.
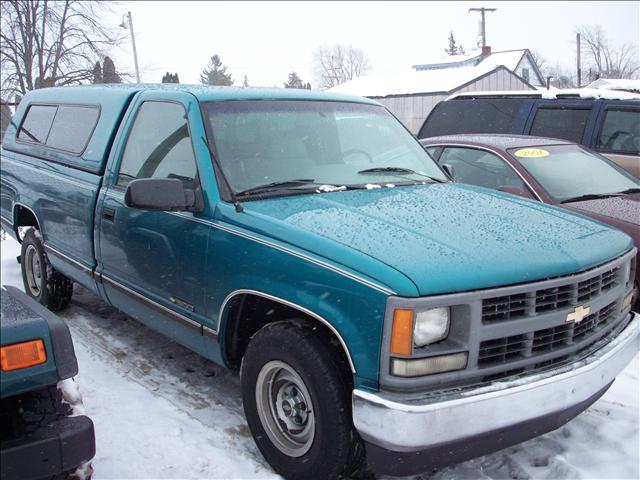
<point>578,314</point>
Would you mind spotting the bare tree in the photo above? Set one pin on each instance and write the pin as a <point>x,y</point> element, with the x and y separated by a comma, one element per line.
<point>540,62</point>
<point>50,43</point>
<point>339,63</point>
<point>604,59</point>
<point>561,77</point>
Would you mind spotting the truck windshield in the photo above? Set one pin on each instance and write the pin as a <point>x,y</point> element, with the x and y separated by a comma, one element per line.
<point>571,173</point>
<point>277,143</point>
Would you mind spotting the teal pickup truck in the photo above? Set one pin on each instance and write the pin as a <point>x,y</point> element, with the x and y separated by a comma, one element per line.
<point>375,311</point>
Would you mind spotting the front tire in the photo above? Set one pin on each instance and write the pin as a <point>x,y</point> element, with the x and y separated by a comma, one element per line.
<point>41,282</point>
<point>296,398</point>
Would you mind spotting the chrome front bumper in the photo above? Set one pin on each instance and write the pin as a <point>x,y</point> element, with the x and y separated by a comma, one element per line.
<point>404,423</point>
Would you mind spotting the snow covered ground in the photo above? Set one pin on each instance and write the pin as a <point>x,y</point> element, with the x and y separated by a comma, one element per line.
<point>161,411</point>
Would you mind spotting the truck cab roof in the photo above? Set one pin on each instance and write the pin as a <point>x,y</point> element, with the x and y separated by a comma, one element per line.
<point>99,110</point>
<point>204,93</point>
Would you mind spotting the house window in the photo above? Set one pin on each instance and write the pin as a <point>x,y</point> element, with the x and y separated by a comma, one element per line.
<point>525,74</point>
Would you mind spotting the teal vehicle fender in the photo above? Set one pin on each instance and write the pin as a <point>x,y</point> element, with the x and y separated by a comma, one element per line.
<point>21,320</point>
<point>251,262</point>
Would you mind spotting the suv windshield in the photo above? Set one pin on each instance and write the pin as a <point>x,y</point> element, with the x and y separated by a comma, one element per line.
<point>569,172</point>
<point>279,143</point>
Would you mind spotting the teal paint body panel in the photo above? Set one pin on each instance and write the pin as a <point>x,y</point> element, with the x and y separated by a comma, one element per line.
<point>445,238</point>
<point>23,320</point>
<point>339,255</point>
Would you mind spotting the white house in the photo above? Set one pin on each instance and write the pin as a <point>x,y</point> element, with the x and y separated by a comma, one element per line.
<point>411,95</point>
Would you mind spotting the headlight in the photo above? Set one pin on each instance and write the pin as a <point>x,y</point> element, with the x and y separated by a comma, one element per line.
<point>430,326</point>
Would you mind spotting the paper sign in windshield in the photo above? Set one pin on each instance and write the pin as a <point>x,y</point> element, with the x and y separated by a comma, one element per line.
<point>531,153</point>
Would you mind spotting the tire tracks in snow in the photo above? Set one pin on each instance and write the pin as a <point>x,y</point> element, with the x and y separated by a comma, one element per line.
<point>200,388</point>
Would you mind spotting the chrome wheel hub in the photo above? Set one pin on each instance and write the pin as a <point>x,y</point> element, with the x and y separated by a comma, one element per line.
<point>284,408</point>
<point>33,270</point>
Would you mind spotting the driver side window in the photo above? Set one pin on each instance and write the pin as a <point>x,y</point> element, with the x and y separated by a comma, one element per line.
<point>478,167</point>
<point>159,146</point>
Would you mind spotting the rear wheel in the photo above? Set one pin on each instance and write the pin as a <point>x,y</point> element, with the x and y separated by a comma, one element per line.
<point>41,282</point>
<point>297,402</point>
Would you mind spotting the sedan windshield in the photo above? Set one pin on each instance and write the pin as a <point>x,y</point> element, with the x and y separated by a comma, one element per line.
<point>301,145</point>
<point>569,172</point>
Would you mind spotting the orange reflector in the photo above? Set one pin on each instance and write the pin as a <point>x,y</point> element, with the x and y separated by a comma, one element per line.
<point>402,332</point>
<point>22,355</point>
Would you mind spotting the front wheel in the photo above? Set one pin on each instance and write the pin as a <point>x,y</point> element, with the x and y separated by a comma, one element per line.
<point>296,399</point>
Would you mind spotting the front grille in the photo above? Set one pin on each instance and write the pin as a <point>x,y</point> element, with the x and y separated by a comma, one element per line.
<point>500,309</point>
<point>553,298</point>
<point>502,351</point>
<point>512,307</point>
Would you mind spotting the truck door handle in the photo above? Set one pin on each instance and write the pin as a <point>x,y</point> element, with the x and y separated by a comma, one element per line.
<point>109,214</point>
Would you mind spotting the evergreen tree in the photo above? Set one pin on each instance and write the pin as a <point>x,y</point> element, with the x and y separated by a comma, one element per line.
<point>215,73</point>
<point>109,74</point>
<point>170,78</point>
<point>454,49</point>
<point>97,73</point>
<point>245,81</point>
<point>294,81</point>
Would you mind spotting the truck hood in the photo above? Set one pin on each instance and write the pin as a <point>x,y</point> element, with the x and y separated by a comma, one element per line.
<point>443,237</point>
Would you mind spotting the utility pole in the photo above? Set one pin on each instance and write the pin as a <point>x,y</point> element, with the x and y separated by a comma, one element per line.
<point>133,43</point>
<point>579,70</point>
<point>482,11</point>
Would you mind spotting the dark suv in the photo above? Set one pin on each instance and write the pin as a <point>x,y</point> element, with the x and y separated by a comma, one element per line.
<point>607,122</point>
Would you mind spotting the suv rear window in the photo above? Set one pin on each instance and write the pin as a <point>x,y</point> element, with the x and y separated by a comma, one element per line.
<point>479,115</point>
<point>560,122</point>
<point>62,127</point>
<point>620,132</point>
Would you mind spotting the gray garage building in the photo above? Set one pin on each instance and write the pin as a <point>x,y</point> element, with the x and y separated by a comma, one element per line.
<point>411,95</point>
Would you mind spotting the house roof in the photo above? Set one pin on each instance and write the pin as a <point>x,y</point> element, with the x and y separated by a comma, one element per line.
<point>444,80</point>
<point>446,61</point>
<point>509,58</point>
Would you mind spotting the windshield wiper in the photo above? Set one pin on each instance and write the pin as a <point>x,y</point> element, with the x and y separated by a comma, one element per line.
<point>399,170</point>
<point>590,196</point>
<point>629,190</point>
<point>268,187</point>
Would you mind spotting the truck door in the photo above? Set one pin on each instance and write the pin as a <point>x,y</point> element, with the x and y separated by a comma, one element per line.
<point>152,264</point>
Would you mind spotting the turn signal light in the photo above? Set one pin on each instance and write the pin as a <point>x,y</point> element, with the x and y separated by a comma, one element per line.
<point>22,355</point>
<point>428,366</point>
<point>402,332</point>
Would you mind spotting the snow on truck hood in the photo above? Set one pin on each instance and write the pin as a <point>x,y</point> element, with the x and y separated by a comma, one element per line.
<point>445,237</point>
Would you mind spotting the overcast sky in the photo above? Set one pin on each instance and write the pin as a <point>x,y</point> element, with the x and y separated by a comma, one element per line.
<point>267,40</point>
